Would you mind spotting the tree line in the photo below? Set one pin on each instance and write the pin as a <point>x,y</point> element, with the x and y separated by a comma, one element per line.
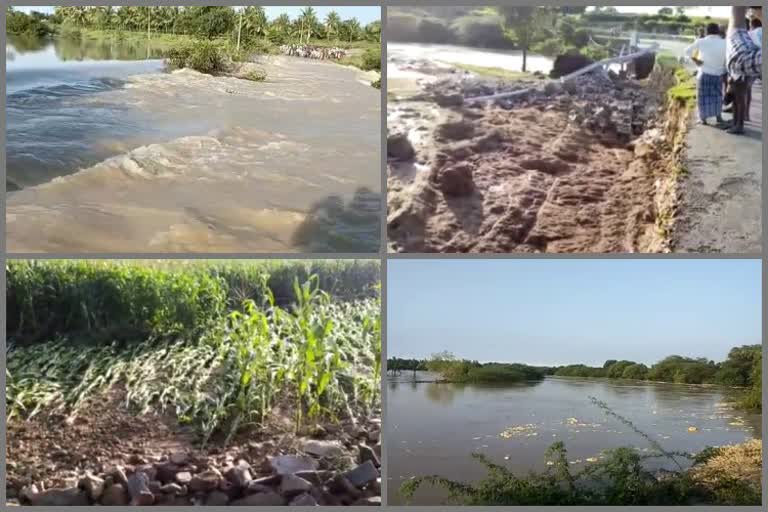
<point>200,21</point>
<point>742,368</point>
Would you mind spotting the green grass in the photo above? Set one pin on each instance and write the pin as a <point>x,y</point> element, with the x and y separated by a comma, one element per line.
<point>505,74</point>
<point>221,377</point>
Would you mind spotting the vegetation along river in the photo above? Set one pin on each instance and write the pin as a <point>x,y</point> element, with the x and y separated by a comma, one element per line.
<point>433,428</point>
<point>108,152</point>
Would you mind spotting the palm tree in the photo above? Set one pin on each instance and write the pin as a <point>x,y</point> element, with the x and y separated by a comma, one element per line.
<point>332,22</point>
<point>79,15</point>
<point>255,21</point>
<point>352,29</point>
<point>373,31</point>
<point>308,21</point>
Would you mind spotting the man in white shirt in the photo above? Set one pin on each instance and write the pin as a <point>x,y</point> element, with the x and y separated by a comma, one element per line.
<point>709,81</point>
<point>757,31</point>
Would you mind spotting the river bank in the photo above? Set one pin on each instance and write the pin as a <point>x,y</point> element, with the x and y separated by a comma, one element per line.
<point>577,167</point>
<point>239,181</point>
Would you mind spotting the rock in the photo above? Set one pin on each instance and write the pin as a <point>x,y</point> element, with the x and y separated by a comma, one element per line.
<point>363,474</point>
<point>644,149</point>
<point>28,491</point>
<point>303,500</point>
<point>172,489</point>
<point>59,498</point>
<point>552,88</point>
<point>366,453</point>
<point>136,459</point>
<point>289,464</point>
<point>92,485</point>
<point>216,498</point>
<point>456,130</point>
<point>340,484</point>
<point>448,100</point>
<point>178,458</point>
<point>266,481</point>
<point>239,474</point>
<point>370,501</point>
<point>262,499</point>
<point>184,477</point>
<point>314,477</point>
<point>322,448</point>
<point>456,180</point>
<point>292,484</point>
<point>205,481</point>
<point>166,472</point>
<point>398,146</point>
<point>138,489</point>
<point>118,475</point>
<point>115,496</point>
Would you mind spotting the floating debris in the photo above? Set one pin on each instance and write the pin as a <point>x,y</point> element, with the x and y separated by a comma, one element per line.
<point>690,429</point>
<point>506,457</point>
<point>550,463</point>
<point>591,459</point>
<point>519,430</point>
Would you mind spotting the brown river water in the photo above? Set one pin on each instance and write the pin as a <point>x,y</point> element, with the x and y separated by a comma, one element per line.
<point>433,428</point>
<point>131,159</point>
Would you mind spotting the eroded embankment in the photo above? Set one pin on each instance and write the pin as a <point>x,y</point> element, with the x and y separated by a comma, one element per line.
<point>286,165</point>
<point>575,167</point>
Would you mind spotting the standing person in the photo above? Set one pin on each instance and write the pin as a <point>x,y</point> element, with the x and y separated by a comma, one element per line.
<point>756,31</point>
<point>744,60</point>
<point>709,81</point>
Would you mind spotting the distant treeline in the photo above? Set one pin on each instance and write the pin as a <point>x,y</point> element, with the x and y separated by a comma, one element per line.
<point>462,370</point>
<point>200,21</point>
<point>742,368</point>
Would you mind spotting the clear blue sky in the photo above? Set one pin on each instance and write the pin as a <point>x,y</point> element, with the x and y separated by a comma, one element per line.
<point>364,14</point>
<point>556,312</point>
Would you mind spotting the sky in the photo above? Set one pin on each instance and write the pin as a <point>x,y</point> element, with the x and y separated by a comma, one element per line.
<point>715,11</point>
<point>555,312</point>
<point>364,13</point>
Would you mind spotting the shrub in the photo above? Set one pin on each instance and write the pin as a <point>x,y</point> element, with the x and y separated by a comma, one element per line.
<point>203,56</point>
<point>371,60</point>
<point>376,84</point>
<point>256,75</point>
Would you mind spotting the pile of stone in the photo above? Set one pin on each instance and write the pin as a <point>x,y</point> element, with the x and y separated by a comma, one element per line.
<point>181,479</point>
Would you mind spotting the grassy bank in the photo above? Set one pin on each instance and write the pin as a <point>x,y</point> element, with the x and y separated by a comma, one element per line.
<point>729,475</point>
<point>217,345</point>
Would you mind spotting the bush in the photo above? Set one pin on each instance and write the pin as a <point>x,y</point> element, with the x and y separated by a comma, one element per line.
<point>376,84</point>
<point>256,75</point>
<point>17,22</point>
<point>203,56</point>
<point>371,60</point>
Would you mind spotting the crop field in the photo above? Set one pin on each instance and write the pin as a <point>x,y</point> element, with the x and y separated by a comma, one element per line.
<point>222,354</point>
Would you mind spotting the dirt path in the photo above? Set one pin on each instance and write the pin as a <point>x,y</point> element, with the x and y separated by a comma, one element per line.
<point>721,198</point>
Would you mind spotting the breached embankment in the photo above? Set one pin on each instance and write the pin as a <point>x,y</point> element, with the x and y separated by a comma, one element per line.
<point>286,165</point>
<point>573,167</point>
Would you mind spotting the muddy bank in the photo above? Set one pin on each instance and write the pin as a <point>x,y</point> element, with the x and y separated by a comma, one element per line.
<point>112,457</point>
<point>289,164</point>
<point>564,168</point>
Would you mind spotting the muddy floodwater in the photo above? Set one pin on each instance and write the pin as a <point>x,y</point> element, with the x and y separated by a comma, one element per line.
<point>109,153</point>
<point>433,428</point>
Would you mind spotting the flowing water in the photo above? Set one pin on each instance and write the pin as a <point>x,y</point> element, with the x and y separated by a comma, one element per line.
<point>433,428</point>
<point>106,153</point>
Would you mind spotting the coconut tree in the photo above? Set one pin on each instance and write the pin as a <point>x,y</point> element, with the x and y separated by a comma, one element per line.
<point>351,29</point>
<point>308,21</point>
<point>373,31</point>
<point>332,24</point>
<point>255,21</point>
<point>79,15</point>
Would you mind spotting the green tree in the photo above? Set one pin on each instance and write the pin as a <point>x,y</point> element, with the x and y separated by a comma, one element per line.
<point>666,11</point>
<point>351,29</point>
<point>373,31</point>
<point>308,22</point>
<point>522,24</point>
<point>332,25</point>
